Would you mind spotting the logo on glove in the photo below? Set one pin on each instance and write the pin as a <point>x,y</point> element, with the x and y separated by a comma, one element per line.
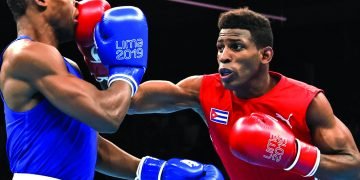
<point>189,163</point>
<point>275,148</point>
<point>128,49</point>
<point>95,55</point>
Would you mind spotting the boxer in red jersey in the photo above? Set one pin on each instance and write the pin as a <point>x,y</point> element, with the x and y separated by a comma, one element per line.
<point>53,117</point>
<point>263,124</point>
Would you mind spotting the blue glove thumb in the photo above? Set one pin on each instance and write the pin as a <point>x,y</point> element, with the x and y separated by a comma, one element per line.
<point>212,173</point>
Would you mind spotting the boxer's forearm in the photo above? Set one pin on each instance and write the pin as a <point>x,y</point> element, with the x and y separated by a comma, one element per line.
<point>114,161</point>
<point>340,166</point>
<point>159,96</point>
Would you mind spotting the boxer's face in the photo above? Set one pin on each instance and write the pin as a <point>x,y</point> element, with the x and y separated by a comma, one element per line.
<point>238,57</point>
<point>62,17</point>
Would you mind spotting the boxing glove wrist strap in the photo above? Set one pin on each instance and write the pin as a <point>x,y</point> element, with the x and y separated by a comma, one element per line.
<point>307,159</point>
<point>126,78</point>
<point>150,167</point>
<point>296,158</point>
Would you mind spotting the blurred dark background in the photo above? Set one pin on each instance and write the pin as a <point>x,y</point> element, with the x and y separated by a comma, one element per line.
<point>317,42</point>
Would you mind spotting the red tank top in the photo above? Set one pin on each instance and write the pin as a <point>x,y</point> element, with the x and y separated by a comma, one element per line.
<point>287,101</point>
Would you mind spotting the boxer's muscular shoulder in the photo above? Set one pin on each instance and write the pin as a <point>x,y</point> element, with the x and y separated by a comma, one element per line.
<point>191,87</point>
<point>191,83</point>
<point>28,59</point>
<point>23,61</point>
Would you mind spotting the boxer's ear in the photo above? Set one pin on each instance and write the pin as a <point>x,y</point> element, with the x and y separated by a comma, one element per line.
<point>266,54</point>
<point>41,4</point>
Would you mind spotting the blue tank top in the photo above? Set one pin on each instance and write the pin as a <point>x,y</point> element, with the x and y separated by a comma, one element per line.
<point>46,141</point>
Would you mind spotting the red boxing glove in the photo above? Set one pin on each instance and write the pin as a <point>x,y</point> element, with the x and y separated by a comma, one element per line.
<point>260,139</point>
<point>90,13</point>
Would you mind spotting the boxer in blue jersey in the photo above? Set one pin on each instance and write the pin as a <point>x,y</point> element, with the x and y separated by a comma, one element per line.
<point>53,117</point>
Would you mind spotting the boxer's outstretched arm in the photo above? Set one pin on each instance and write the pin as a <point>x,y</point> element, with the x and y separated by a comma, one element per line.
<point>46,73</point>
<point>339,154</point>
<point>158,96</point>
<point>115,162</point>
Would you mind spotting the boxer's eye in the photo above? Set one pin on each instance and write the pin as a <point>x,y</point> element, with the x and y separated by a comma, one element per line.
<point>220,47</point>
<point>236,46</point>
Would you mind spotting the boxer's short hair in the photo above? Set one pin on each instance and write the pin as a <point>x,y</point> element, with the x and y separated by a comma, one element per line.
<point>243,18</point>
<point>17,7</point>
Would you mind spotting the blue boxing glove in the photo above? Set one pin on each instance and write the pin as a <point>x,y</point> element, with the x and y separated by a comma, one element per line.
<point>121,43</point>
<point>151,168</point>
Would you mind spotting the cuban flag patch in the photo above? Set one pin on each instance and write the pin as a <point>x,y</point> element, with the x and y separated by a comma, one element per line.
<point>219,116</point>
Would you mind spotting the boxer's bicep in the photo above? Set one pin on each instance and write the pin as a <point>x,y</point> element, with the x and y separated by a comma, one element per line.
<point>334,140</point>
<point>328,132</point>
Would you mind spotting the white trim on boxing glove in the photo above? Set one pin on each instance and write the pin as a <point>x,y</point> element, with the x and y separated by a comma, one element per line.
<point>317,163</point>
<point>298,152</point>
<point>139,169</point>
<point>297,156</point>
<point>161,170</point>
<point>123,77</point>
<point>141,165</point>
